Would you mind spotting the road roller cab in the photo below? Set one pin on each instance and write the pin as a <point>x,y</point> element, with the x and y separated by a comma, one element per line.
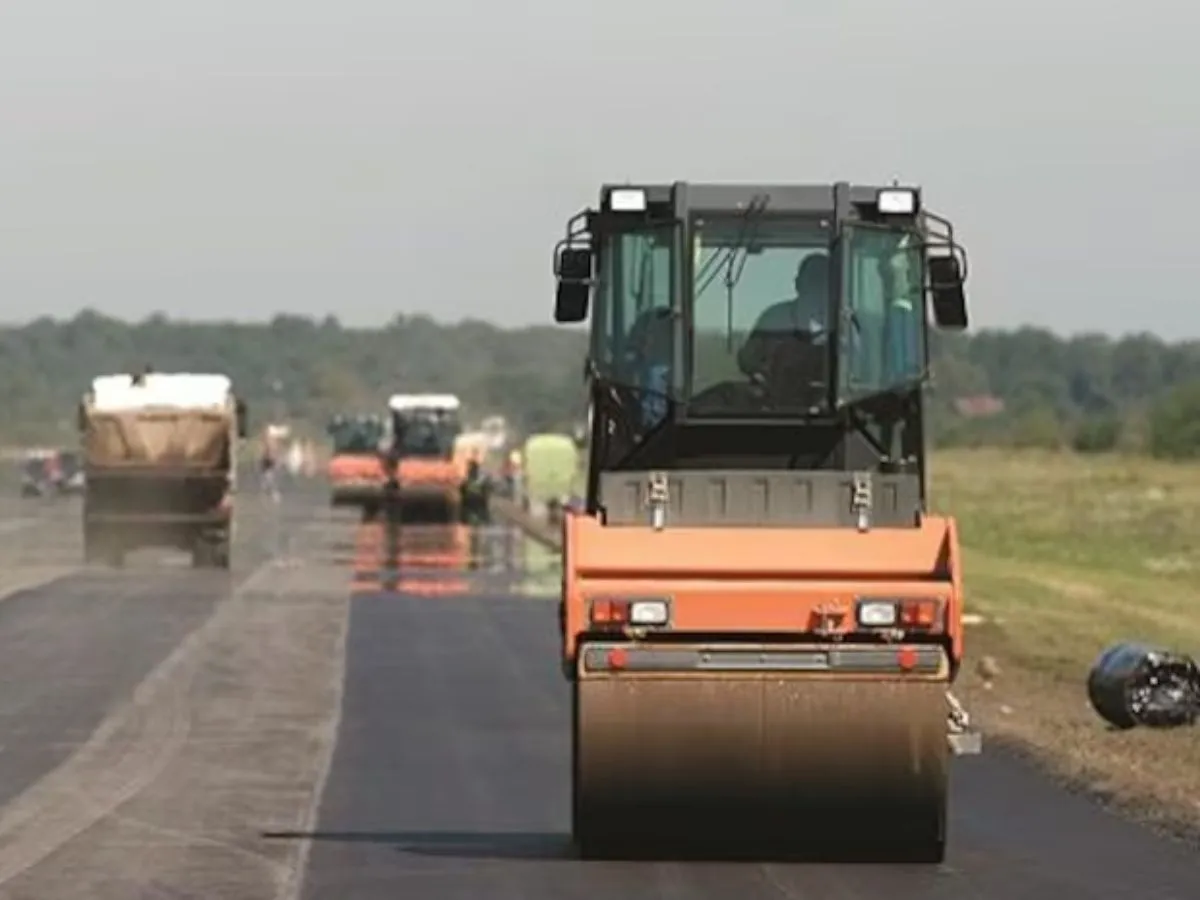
<point>760,619</point>
<point>355,470</point>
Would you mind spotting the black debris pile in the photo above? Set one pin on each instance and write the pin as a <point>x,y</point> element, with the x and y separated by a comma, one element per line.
<point>1133,684</point>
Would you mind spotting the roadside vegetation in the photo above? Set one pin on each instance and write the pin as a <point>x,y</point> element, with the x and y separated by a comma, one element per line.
<point>1020,389</point>
<point>1065,554</point>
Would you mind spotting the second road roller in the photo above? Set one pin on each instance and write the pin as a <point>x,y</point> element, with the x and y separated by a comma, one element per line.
<point>761,621</point>
<point>425,485</point>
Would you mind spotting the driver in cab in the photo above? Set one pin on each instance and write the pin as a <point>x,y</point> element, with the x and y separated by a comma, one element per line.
<point>785,331</point>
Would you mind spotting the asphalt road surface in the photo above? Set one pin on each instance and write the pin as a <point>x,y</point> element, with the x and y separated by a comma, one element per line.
<point>348,716</point>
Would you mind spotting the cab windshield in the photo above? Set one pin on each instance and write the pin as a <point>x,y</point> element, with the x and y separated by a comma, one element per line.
<point>426,432</point>
<point>761,301</point>
<point>356,436</point>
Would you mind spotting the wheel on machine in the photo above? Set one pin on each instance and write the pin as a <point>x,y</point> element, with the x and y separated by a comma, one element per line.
<point>211,551</point>
<point>924,840</point>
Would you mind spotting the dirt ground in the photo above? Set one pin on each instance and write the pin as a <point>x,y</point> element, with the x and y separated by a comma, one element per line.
<point>1066,555</point>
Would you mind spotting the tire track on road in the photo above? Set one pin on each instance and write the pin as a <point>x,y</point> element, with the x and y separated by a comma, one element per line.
<point>124,754</point>
<point>225,740</point>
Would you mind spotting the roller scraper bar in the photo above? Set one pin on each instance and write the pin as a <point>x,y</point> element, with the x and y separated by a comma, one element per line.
<point>964,739</point>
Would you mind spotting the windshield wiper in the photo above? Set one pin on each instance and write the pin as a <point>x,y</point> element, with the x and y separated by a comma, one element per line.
<point>740,245</point>
<point>708,271</point>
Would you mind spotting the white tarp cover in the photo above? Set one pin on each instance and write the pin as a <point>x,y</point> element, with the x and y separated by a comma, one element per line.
<point>405,402</point>
<point>172,420</point>
<point>178,390</point>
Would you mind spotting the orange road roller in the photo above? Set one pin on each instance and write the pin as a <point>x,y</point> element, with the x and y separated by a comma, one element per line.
<point>428,476</point>
<point>761,622</point>
<point>355,471</point>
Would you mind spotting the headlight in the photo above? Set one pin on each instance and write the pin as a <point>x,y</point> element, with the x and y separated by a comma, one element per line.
<point>617,612</point>
<point>627,200</point>
<point>897,201</point>
<point>648,612</point>
<point>876,613</point>
<point>908,613</point>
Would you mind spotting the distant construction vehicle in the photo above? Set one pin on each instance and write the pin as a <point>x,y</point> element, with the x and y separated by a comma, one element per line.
<point>761,620</point>
<point>160,460</point>
<point>355,469</point>
<point>551,464</point>
<point>427,478</point>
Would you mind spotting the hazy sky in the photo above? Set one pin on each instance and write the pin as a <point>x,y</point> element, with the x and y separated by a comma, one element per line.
<point>235,158</point>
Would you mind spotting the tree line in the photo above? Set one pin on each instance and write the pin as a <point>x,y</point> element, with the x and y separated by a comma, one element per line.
<point>1020,388</point>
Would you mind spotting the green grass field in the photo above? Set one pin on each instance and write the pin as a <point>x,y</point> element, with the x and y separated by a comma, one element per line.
<point>1070,552</point>
<point>1063,555</point>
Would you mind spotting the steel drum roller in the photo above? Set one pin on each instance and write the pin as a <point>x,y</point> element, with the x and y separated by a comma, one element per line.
<point>760,763</point>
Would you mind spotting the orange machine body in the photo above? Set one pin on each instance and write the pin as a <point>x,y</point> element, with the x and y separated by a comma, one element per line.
<point>431,474</point>
<point>764,584</point>
<point>356,477</point>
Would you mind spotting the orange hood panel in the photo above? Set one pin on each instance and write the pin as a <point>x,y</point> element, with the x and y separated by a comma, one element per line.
<point>355,466</point>
<point>429,471</point>
<point>596,551</point>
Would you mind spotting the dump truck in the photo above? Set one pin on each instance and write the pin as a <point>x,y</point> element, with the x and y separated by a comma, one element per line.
<point>356,469</point>
<point>425,477</point>
<point>160,465</point>
<point>761,620</point>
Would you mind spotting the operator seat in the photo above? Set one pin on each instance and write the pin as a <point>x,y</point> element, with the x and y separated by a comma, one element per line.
<point>784,353</point>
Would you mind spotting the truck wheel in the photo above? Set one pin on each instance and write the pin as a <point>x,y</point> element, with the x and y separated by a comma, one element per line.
<point>220,554</point>
<point>211,553</point>
<point>103,551</point>
<point>201,554</point>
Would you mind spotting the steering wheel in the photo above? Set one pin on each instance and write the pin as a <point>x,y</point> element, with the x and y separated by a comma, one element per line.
<point>794,371</point>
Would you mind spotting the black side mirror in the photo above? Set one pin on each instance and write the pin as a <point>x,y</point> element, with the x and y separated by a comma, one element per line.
<point>946,291</point>
<point>574,264</point>
<point>571,301</point>
<point>574,270</point>
<point>241,419</point>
